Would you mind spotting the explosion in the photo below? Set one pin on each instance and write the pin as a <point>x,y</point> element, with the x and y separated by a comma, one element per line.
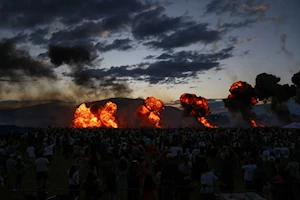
<point>241,99</point>
<point>296,81</point>
<point>150,111</point>
<point>95,116</point>
<point>196,106</point>
<point>267,87</point>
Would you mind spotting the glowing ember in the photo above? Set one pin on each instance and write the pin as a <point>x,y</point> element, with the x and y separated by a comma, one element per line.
<point>95,116</point>
<point>196,106</point>
<point>253,123</point>
<point>151,109</point>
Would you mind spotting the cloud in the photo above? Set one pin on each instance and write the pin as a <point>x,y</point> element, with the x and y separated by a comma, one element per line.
<point>77,57</point>
<point>67,55</point>
<point>252,38</point>
<point>38,36</point>
<point>171,68</point>
<point>186,37</point>
<point>118,44</point>
<point>32,13</point>
<point>235,25</point>
<point>235,41</point>
<point>154,23</point>
<point>249,13</point>
<point>149,57</point>
<point>91,29</point>
<point>236,8</point>
<point>17,64</point>
<point>283,39</point>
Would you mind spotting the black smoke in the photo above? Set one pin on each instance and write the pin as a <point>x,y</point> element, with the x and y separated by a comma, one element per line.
<point>241,99</point>
<point>76,57</point>
<point>268,88</point>
<point>17,64</point>
<point>79,60</point>
<point>296,81</point>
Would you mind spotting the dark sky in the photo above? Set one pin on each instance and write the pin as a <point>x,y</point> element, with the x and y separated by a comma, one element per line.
<point>93,49</point>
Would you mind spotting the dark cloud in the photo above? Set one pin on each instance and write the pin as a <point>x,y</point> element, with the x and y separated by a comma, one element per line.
<point>248,12</point>
<point>195,56</point>
<point>154,23</point>
<point>180,65</point>
<point>164,56</point>
<point>17,64</point>
<point>76,57</point>
<point>118,44</point>
<point>92,29</point>
<point>31,13</point>
<point>20,38</point>
<point>235,25</point>
<point>38,36</point>
<point>68,55</point>
<point>186,37</point>
<point>149,57</point>
<point>236,8</point>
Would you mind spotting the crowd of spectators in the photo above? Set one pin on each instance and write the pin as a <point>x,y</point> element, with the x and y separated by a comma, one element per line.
<point>151,164</point>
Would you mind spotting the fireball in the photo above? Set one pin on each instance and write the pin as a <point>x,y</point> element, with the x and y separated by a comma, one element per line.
<point>196,106</point>
<point>151,111</point>
<point>95,116</point>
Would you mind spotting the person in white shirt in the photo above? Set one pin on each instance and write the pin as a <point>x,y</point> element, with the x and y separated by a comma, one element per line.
<point>285,152</point>
<point>41,169</point>
<point>266,155</point>
<point>208,180</point>
<point>248,174</point>
<point>31,152</point>
<point>48,151</point>
<point>174,151</point>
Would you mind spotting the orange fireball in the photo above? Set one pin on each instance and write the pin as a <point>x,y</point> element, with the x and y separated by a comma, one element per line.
<point>253,123</point>
<point>151,110</point>
<point>196,106</point>
<point>96,116</point>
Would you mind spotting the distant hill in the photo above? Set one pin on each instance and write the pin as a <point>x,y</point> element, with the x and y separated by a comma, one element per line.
<point>59,113</point>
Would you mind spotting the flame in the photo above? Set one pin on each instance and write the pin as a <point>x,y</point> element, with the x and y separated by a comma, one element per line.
<point>243,91</point>
<point>151,109</point>
<point>242,96</point>
<point>95,116</point>
<point>205,122</point>
<point>253,123</point>
<point>196,106</point>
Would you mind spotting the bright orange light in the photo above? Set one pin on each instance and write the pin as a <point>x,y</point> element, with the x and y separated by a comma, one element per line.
<point>102,117</point>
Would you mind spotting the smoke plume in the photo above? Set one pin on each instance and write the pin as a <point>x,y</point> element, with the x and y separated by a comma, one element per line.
<point>17,65</point>
<point>79,59</point>
<point>283,46</point>
<point>241,99</point>
<point>196,106</point>
<point>268,87</point>
<point>296,81</point>
<point>149,112</point>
